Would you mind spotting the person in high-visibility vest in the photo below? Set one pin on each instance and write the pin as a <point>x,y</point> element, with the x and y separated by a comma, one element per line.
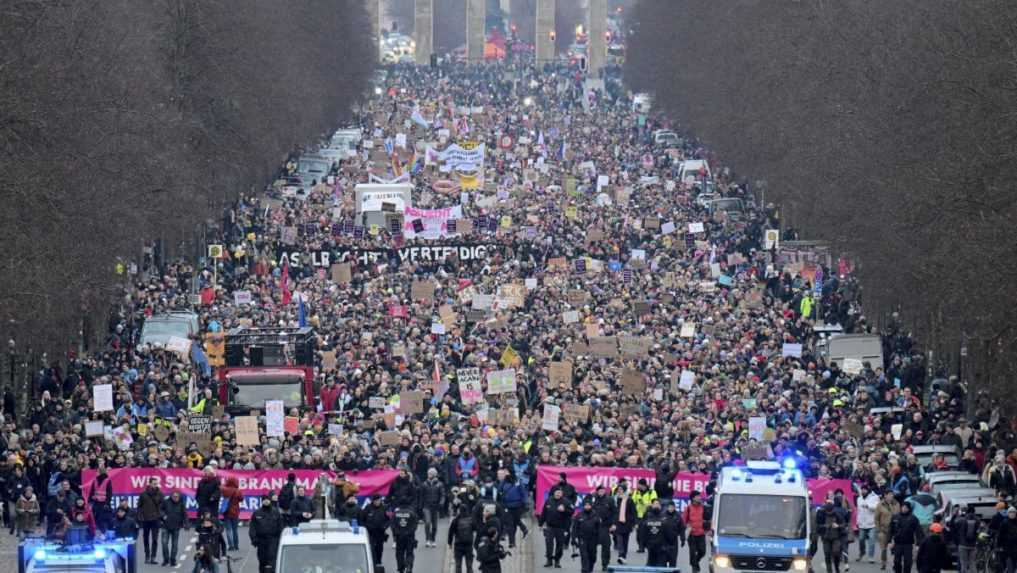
<point>642,497</point>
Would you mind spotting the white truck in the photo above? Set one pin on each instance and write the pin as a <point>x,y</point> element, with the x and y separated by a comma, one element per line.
<point>760,519</point>
<point>325,546</point>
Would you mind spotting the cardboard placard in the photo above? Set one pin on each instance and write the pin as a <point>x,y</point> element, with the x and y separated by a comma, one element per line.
<point>604,346</point>
<point>577,297</point>
<point>632,382</point>
<point>422,290</point>
<point>342,273</point>
<point>411,402</point>
<point>328,360</point>
<point>389,438</point>
<point>560,373</point>
<point>247,431</point>
<point>576,413</point>
<point>551,419</point>
<point>635,345</point>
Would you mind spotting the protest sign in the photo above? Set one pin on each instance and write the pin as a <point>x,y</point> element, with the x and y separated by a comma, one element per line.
<point>570,316</point>
<point>757,424</point>
<point>93,428</point>
<point>852,366</point>
<point>247,431</point>
<point>604,346</point>
<point>411,402</point>
<point>688,378</point>
<point>376,403</point>
<point>422,290</point>
<point>501,381</point>
<point>199,424</point>
<point>551,420</point>
<point>274,423</point>
<point>635,345</point>
<point>335,429</point>
<point>510,357</point>
<point>632,382</point>
<point>560,373</point>
<point>696,227</point>
<point>389,438</point>
<point>241,297</point>
<point>470,389</point>
<point>688,330</point>
<point>102,398</point>
<point>791,350</point>
<point>328,360</point>
<point>341,273</point>
<point>576,413</point>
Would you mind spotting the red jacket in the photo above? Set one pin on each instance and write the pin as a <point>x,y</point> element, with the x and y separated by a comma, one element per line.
<point>329,397</point>
<point>231,493</point>
<point>693,516</point>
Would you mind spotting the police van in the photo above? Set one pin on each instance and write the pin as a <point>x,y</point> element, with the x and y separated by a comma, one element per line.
<point>325,546</point>
<point>38,555</point>
<point>760,519</point>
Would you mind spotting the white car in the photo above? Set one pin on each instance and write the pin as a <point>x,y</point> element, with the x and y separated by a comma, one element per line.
<point>325,545</point>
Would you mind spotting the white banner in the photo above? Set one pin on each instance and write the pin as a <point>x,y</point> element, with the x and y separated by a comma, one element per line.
<point>463,159</point>
<point>434,221</point>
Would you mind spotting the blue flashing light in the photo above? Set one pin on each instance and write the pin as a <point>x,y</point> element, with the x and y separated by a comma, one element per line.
<point>100,553</point>
<point>790,464</point>
<point>39,555</point>
<point>296,530</point>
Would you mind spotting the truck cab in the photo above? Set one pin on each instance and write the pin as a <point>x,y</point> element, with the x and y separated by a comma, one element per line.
<point>760,519</point>
<point>325,546</point>
<point>267,364</point>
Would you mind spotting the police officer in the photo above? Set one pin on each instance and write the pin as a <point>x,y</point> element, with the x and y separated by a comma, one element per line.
<point>404,530</point>
<point>674,531</point>
<point>461,535</point>
<point>556,519</point>
<point>375,520</point>
<point>652,528</point>
<point>490,552</point>
<point>266,528</point>
<point>607,511</point>
<point>585,535</point>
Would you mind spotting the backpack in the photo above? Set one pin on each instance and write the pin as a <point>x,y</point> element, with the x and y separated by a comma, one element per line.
<point>971,532</point>
<point>464,530</point>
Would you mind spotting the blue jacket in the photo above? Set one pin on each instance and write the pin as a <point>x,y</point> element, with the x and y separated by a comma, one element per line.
<point>514,496</point>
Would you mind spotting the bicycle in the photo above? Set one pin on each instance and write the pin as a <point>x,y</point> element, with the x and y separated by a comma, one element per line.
<point>986,554</point>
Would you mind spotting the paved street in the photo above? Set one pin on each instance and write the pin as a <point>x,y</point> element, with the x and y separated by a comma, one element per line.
<point>570,565</point>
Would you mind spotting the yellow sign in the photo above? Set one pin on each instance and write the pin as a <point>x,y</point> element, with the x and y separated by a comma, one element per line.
<point>469,182</point>
<point>571,212</point>
<point>506,221</point>
<point>510,357</point>
<point>215,349</point>
<point>375,229</point>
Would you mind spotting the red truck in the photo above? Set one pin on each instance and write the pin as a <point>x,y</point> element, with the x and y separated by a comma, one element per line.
<point>274,363</point>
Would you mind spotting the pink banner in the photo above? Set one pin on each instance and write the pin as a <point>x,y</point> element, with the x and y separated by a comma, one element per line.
<point>128,483</point>
<point>587,479</point>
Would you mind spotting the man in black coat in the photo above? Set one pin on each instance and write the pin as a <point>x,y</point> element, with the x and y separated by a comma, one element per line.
<point>374,518</point>
<point>585,535</point>
<point>404,530</point>
<point>461,536</point>
<point>556,519</point>
<point>265,529</point>
<point>905,531</point>
<point>604,507</point>
<point>208,493</point>
<point>490,552</point>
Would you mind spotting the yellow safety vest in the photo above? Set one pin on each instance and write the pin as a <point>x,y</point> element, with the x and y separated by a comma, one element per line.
<point>643,499</point>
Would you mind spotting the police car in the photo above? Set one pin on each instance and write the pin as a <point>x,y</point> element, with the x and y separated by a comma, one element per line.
<point>325,546</point>
<point>37,554</point>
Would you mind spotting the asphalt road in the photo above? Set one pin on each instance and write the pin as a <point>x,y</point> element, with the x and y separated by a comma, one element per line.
<point>570,565</point>
<point>427,560</point>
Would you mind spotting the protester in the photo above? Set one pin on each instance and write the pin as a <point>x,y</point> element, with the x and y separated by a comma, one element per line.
<point>575,209</point>
<point>933,556</point>
<point>174,518</point>
<point>461,533</point>
<point>149,516</point>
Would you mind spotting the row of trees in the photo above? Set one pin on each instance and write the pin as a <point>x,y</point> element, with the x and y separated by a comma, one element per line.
<point>123,121</point>
<point>886,127</point>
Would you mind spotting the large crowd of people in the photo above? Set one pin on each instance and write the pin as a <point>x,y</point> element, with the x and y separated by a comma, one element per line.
<point>580,206</point>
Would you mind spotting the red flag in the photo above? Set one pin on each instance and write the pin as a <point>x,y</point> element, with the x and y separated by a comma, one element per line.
<point>440,385</point>
<point>284,282</point>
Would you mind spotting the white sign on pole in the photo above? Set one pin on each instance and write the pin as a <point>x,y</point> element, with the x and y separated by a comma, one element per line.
<point>696,228</point>
<point>102,396</point>
<point>757,425</point>
<point>792,350</point>
<point>552,417</point>
<point>687,380</point>
<point>275,423</point>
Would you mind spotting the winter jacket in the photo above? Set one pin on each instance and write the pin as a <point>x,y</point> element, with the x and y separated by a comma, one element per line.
<point>125,527</point>
<point>27,512</point>
<point>432,493</point>
<point>695,519</point>
<point>884,515</point>
<point>301,505</point>
<point>905,529</point>
<point>831,524</point>
<point>933,556</point>
<point>231,493</point>
<point>150,505</point>
<point>556,514</point>
<point>867,510</point>
<point>208,494</point>
<point>174,513</point>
